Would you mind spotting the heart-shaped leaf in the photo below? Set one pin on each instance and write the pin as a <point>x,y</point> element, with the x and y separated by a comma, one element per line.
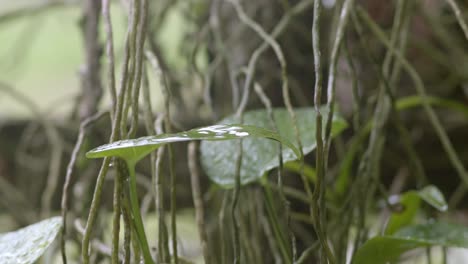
<point>259,155</point>
<point>411,202</point>
<point>132,150</point>
<point>384,249</point>
<point>27,245</point>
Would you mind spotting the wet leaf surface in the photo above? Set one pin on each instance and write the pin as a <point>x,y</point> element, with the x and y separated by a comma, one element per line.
<point>26,245</point>
<point>133,150</point>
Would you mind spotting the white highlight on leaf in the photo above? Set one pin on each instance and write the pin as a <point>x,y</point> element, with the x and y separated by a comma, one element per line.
<point>222,129</point>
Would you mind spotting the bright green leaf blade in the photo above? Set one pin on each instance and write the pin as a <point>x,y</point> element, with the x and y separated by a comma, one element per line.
<point>133,150</point>
<point>383,249</point>
<point>259,156</point>
<point>411,202</point>
<point>26,245</point>
<point>433,196</point>
<point>380,250</point>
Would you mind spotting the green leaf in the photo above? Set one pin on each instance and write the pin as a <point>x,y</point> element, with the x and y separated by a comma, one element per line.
<point>383,249</point>
<point>433,196</point>
<point>411,202</point>
<point>259,155</point>
<point>26,245</point>
<point>132,150</point>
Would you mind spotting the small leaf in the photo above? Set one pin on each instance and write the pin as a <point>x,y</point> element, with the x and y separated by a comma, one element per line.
<point>26,245</point>
<point>411,202</point>
<point>132,150</point>
<point>433,196</point>
<point>383,249</point>
<point>259,156</point>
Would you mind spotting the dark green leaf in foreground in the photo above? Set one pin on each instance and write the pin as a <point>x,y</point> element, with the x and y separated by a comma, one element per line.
<point>133,150</point>
<point>26,245</point>
<point>259,155</point>
<point>383,249</point>
<point>411,202</point>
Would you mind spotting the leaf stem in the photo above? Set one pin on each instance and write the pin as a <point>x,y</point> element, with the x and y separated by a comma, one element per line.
<point>137,220</point>
<point>272,216</point>
<point>318,209</point>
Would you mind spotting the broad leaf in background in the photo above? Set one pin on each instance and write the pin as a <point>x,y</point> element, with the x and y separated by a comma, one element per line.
<point>259,155</point>
<point>132,150</point>
<point>411,202</point>
<point>383,249</point>
<point>27,245</point>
